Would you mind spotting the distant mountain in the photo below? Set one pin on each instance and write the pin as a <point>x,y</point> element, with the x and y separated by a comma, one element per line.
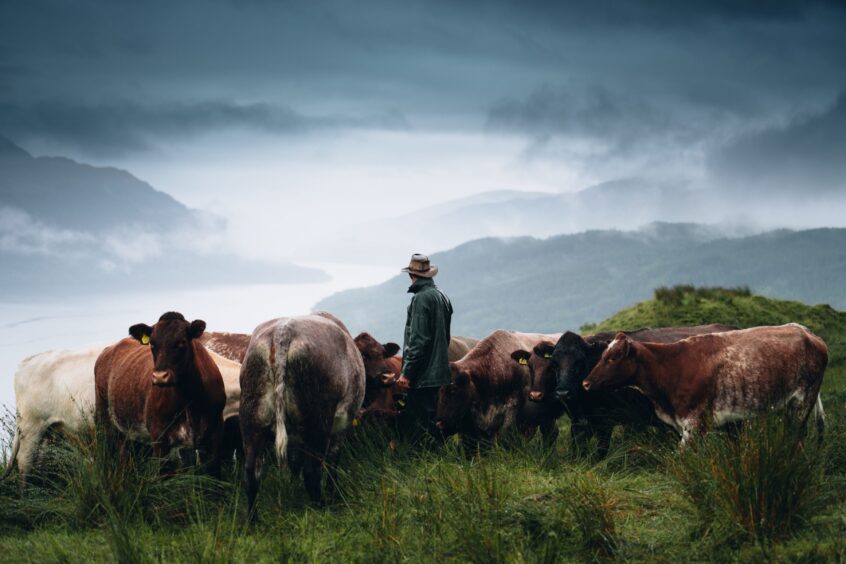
<point>563,282</point>
<point>68,228</point>
<point>70,195</point>
<point>620,204</point>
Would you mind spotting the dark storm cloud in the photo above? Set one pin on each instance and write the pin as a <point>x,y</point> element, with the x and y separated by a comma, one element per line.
<point>117,127</point>
<point>629,75</point>
<point>594,114</point>
<point>806,156</point>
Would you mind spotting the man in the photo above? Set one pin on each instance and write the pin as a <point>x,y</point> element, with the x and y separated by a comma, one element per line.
<point>425,365</point>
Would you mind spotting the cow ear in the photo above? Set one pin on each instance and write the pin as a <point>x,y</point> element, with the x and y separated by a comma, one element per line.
<point>391,349</point>
<point>544,349</point>
<point>521,356</point>
<point>196,328</point>
<point>141,332</point>
<point>459,377</point>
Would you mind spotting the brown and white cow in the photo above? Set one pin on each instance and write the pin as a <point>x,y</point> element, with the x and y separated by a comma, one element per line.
<point>721,377</point>
<point>302,382</point>
<point>162,386</point>
<point>228,345</point>
<point>486,395</point>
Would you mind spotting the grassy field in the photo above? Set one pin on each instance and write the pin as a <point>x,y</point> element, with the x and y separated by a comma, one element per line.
<point>760,496</point>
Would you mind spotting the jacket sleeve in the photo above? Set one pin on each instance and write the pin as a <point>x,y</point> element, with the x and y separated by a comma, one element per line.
<point>419,339</point>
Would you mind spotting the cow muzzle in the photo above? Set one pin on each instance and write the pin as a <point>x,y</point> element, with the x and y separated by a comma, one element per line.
<point>439,424</point>
<point>586,385</point>
<point>536,396</point>
<point>163,378</point>
<point>388,378</point>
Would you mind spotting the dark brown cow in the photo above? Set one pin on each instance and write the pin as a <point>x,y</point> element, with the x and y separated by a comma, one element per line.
<point>168,393</point>
<point>302,382</point>
<point>557,371</point>
<point>228,345</point>
<point>722,377</point>
<point>486,395</point>
<point>383,368</point>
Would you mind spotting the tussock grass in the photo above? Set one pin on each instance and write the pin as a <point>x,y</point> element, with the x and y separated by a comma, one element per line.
<point>762,484</point>
<point>758,496</point>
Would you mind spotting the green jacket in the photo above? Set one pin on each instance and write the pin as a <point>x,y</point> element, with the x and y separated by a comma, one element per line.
<point>426,343</point>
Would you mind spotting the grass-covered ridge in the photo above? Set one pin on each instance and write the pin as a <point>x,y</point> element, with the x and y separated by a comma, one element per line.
<point>686,305</point>
<point>647,502</point>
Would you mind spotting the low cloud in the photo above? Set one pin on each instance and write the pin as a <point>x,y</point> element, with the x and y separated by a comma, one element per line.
<point>21,234</point>
<point>806,156</point>
<point>121,127</point>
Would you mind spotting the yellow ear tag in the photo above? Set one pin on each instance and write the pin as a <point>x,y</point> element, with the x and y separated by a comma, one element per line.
<point>547,355</point>
<point>355,422</point>
<point>523,361</point>
<point>145,339</point>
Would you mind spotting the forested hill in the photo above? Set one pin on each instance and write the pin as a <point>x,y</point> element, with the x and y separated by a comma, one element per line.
<point>685,305</point>
<point>566,281</point>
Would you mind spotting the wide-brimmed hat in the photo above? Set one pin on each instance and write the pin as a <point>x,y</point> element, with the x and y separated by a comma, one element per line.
<point>419,266</point>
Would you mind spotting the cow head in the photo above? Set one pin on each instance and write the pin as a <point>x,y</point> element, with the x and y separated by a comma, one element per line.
<point>617,367</point>
<point>455,400</point>
<point>170,341</point>
<point>541,384</point>
<point>378,371</point>
<point>571,362</point>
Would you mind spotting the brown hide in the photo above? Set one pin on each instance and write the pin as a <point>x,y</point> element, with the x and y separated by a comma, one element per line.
<point>228,345</point>
<point>459,347</point>
<point>712,378</point>
<point>486,393</point>
<point>186,414</point>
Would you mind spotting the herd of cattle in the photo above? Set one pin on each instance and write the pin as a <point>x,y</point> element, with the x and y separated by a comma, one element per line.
<point>299,383</point>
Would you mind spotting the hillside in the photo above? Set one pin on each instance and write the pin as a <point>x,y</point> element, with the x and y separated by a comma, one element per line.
<point>620,204</point>
<point>685,305</point>
<point>67,228</point>
<point>563,282</point>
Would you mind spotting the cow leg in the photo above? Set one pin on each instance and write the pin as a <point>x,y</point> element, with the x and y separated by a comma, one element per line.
<point>30,441</point>
<point>313,468</point>
<point>580,435</point>
<point>603,439</point>
<point>549,432</point>
<point>254,443</point>
<point>333,457</point>
<point>212,445</point>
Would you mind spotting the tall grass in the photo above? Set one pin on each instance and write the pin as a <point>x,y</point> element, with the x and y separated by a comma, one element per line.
<point>762,483</point>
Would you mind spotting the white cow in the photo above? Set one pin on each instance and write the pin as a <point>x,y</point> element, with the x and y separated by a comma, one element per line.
<point>55,389</point>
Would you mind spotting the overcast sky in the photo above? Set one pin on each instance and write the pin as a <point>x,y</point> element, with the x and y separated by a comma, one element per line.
<point>287,116</point>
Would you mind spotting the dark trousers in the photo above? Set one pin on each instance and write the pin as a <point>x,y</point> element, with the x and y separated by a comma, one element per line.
<point>418,418</point>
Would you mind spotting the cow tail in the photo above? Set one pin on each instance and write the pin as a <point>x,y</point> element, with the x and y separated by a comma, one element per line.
<point>16,445</point>
<point>819,417</point>
<point>281,430</point>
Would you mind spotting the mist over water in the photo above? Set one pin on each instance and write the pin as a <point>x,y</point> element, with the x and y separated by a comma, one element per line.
<point>30,328</point>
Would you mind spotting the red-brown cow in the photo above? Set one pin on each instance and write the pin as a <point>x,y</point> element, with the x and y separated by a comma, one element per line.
<point>169,393</point>
<point>721,377</point>
<point>486,395</point>
<point>381,369</point>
